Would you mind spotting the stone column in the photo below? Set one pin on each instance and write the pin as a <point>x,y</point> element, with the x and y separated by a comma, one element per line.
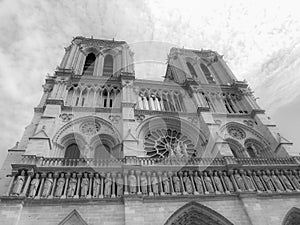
<point>25,189</point>
<point>79,175</point>
<point>55,175</point>
<point>43,176</point>
<point>159,173</point>
<point>180,173</point>
<point>170,174</point>
<point>125,173</point>
<point>138,173</point>
<point>89,195</point>
<point>149,183</point>
<point>190,173</point>
<point>13,176</point>
<point>64,194</point>
<point>113,186</point>
<point>230,174</point>
<point>210,174</point>
<point>223,182</point>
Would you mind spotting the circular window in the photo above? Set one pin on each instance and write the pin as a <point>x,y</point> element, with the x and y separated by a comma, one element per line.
<point>168,143</point>
<point>90,128</point>
<point>236,132</point>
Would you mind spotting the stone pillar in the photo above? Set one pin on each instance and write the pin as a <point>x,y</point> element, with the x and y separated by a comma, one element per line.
<point>170,174</point>
<point>138,173</point>
<point>79,175</point>
<point>102,176</point>
<point>192,181</point>
<point>125,173</point>
<point>25,189</point>
<point>149,183</point>
<point>230,174</point>
<point>223,182</point>
<point>55,175</point>
<point>113,185</point>
<point>159,173</point>
<point>90,186</point>
<point>181,182</point>
<point>13,176</point>
<point>43,176</point>
<point>210,174</point>
<point>64,194</point>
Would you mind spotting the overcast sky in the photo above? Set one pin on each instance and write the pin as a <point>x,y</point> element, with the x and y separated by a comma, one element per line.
<point>260,40</point>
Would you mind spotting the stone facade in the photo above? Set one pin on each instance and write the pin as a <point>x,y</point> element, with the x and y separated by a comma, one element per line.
<point>106,148</point>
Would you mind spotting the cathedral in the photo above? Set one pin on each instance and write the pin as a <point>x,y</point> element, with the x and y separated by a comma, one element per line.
<point>107,148</point>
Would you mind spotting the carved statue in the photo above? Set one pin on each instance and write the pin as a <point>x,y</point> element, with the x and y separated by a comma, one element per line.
<point>176,182</point>
<point>60,185</point>
<point>144,183</point>
<point>199,184</point>
<point>268,181</point>
<point>249,183</point>
<point>187,183</point>
<point>120,184</point>
<point>228,182</point>
<point>96,186</point>
<point>208,183</point>
<point>108,183</point>
<point>239,181</point>
<point>218,182</point>
<point>72,186</point>
<point>34,184</point>
<point>277,181</point>
<point>132,182</point>
<point>286,181</point>
<point>295,180</point>
<point>166,183</point>
<point>84,185</point>
<point>47,186</point>
<point>18,184</point>
<point>258,182</point>
<point>154,182</point>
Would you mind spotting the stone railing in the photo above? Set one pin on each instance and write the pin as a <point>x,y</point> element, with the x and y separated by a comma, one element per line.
<point>32,160</point>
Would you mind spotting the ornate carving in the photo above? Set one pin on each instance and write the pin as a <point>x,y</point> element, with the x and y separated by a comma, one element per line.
<point>218,182</point>
<point>108,183</point>
<point>139,118</point>
<point>34,186</point>
<point>89,128</point>
<point>18,184</point>
<point>47,186</point>
<point>208,183</point>
<point>236,132</point>
<point>154,182</point>
<point>132,182</point>
<point>84,185</point>
<point>114,118</point>
<point>72,186</point>
<point>187,183</point>
<point>66,117</point>
<point>163,143</point>
<point>198,183</point>
<point>144,183</point>
<point>120,184</point>
<point>166,183</point>
<point>176,182</point>
<point>60,186</point>
<point>228,182</point>
<point>96,186</point>
<point>249,123</point>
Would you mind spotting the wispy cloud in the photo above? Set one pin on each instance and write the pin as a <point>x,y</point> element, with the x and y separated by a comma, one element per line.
<point>259,39</point>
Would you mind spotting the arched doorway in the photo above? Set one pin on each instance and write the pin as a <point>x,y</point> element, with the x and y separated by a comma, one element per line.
<point>194,213</point>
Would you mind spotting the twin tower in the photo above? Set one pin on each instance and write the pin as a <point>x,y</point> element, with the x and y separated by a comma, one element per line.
<point>105,147</point>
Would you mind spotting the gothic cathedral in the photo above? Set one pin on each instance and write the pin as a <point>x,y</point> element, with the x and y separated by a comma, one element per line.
<point>107,148</point>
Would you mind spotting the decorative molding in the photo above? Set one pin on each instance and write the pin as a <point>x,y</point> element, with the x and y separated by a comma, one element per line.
<point>66,117</point>
<point>236,132</point>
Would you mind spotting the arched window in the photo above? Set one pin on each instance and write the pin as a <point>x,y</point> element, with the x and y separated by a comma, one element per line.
<point>207,74</point>
<point>236,149</point>
<point>102,151</point>
<point>72,152</point>
<point>89,65</point>
<point>108,65</point>
<point>192,70</point>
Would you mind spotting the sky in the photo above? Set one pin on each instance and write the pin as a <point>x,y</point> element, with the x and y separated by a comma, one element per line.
<point>260,41</point>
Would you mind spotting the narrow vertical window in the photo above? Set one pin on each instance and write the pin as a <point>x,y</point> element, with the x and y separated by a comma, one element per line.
<point>192,70</point>
<point>72,152</point>
<point>108,65</point>
<point>89,65</point>
<point>207,74</point>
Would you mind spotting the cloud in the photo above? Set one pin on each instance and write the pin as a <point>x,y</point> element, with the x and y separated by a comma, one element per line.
<point>259,40</point>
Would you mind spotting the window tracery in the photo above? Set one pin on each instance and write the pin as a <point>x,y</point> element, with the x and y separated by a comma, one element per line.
<point>210,79</point>
<point>163,143</point>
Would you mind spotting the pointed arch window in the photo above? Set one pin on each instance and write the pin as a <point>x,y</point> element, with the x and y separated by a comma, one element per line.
<point>72,152</point>
<point>89,65</point>
<point>191,69</point>
<point>108,65</point>
<point>207,74</point>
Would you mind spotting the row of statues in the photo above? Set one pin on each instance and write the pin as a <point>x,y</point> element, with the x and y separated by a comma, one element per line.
<point>95,185</point>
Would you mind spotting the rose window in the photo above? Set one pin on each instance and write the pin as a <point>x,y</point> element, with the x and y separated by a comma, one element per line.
<point>236,132</point>
<point>168,143</point>
<point>90,128</point>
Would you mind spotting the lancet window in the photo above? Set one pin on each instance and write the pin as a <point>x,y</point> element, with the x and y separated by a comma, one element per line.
<point>163,143</point>
<point>83,96</point>
<point>210,79</point>
<point>191,69</point>
<point>108,65</point>
<point>89,65</point>
<point>160,101</point>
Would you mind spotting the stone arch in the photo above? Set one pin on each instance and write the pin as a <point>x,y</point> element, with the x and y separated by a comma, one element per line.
<point>109,143</point>
<point>195,136</point>
<point>73,218</point>
<point>196,214</point>
<point>292,217</point>
<point>73,138</point>
<point>236,148</point>
<point>89,50</point>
